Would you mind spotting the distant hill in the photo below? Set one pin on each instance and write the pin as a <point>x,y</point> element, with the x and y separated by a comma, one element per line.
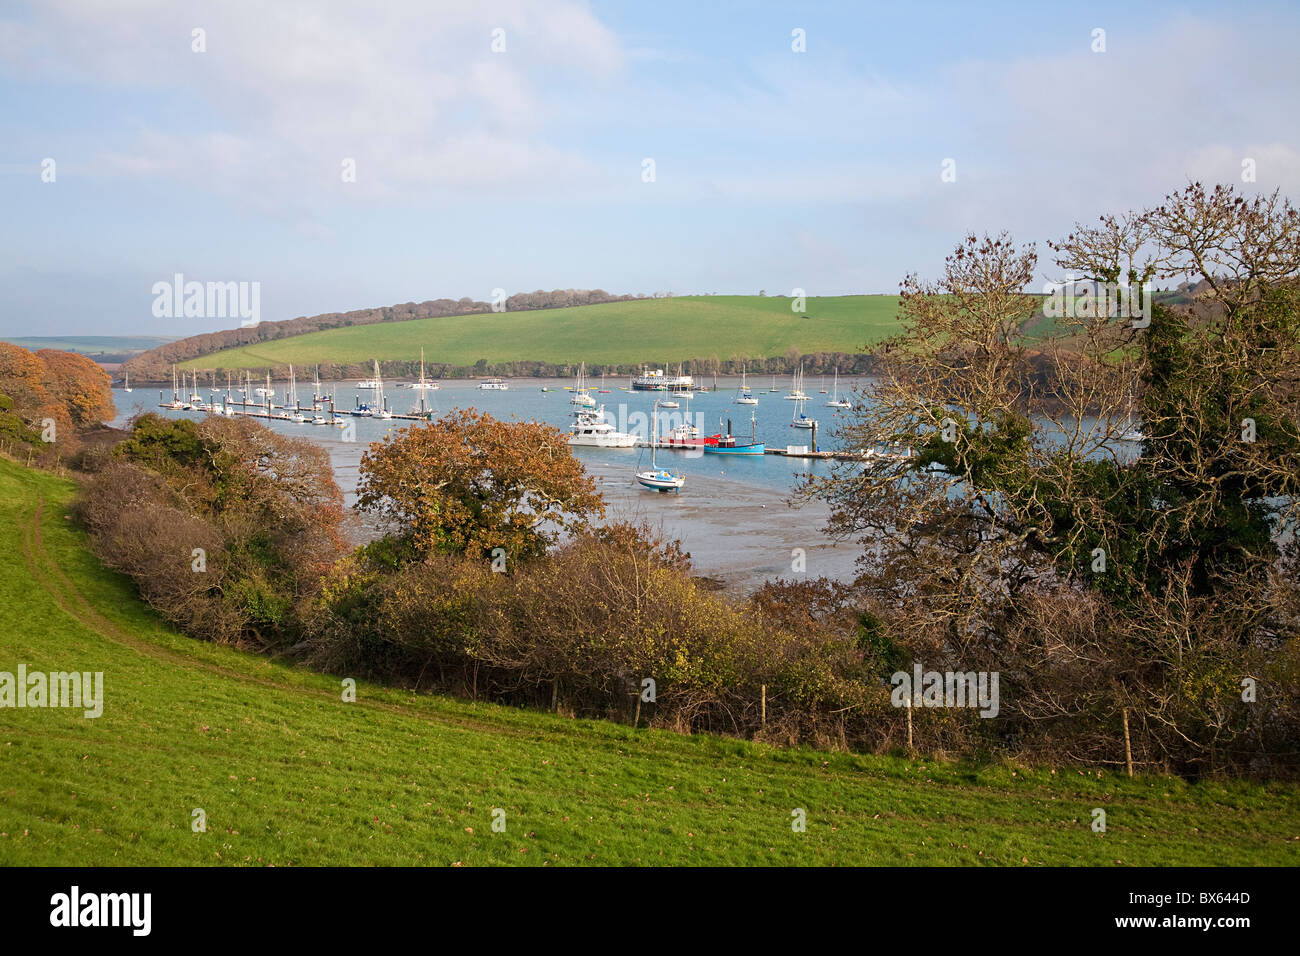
<point>105,349</point>
<point>701,332</point>
<point>155,365</point>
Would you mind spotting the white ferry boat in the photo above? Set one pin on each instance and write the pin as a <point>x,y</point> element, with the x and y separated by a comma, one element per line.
<point>494,385</point>
<point>654,380</point>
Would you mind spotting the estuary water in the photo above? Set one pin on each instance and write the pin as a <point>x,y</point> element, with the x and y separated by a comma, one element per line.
<point>733,514</point>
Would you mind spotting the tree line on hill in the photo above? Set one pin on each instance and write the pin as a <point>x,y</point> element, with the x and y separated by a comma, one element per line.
<point>154,366</point>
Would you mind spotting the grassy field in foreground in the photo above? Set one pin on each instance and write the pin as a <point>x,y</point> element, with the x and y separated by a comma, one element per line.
<point>289,774</point>
<point>660,330</point>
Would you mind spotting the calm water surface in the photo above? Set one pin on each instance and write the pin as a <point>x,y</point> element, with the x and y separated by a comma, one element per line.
<point>732,514</point>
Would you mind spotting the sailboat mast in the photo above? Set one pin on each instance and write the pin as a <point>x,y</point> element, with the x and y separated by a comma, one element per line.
<point>654,436</point>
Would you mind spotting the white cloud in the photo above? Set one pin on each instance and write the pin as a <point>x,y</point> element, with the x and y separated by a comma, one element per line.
<point>287,90</point>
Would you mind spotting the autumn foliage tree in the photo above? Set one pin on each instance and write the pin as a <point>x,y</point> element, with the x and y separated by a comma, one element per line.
<point>469,483</point>
<point>80,385</point>
<point>22,378</point>
<point>51,386</point>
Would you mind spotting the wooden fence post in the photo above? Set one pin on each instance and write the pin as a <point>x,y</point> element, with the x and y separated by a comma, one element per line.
<point>1128,744</point>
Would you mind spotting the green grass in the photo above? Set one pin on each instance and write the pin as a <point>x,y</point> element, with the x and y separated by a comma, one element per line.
<point>289,774</point>
<point>624,333</point>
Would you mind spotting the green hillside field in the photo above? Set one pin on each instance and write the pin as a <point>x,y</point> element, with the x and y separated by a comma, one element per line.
<point>614,333</point>
<point>288,773</point>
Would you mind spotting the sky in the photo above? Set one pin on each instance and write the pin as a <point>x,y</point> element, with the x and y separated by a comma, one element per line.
<point>505,145</point>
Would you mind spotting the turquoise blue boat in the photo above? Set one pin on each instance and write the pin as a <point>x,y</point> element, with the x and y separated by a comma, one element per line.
<point>754,448</point>
<point>727,444</point>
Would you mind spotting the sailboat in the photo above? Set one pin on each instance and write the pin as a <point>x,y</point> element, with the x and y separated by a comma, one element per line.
<point>603,389</point>
<point>381,410</point>
<point>659,479</point>
<point>424,385</point>
<point>126,381</point>
<point>581,398</point>
<point>800,419</point>
<point>746,396</point>
<point>796,387</point>
<point>176,401</point>
<point>225,407</point>
<point>266,394</point>
<point>823,388</point>
<point>1131,431</point>
<point>296,415</point>
<point>836,401</point>
<point>373,382</point>
<point>317,396</point>
<point>318,399</point>
<point>774,389</point>
<point>680,388</point>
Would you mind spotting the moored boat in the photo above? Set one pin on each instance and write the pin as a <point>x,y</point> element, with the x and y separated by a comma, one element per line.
<point>659,479</point>
<point>836,401</point>
<point>581,396</point>
<point>372,383</point>
<point>591,429</point>
<point>796,393</point>
<point>746,396</point>
<point>423,384</point>
<point>654,380</point>
<point>728,445</point>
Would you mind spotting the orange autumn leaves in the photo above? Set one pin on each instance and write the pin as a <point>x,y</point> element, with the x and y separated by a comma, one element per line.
<point>65,387</point>
<point>470,483</point>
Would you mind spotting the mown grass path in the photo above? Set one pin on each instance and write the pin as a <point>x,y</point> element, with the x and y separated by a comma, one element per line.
<point>287,773</point>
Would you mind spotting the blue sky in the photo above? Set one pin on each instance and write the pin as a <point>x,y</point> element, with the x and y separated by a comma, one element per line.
<point>523,169</point>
